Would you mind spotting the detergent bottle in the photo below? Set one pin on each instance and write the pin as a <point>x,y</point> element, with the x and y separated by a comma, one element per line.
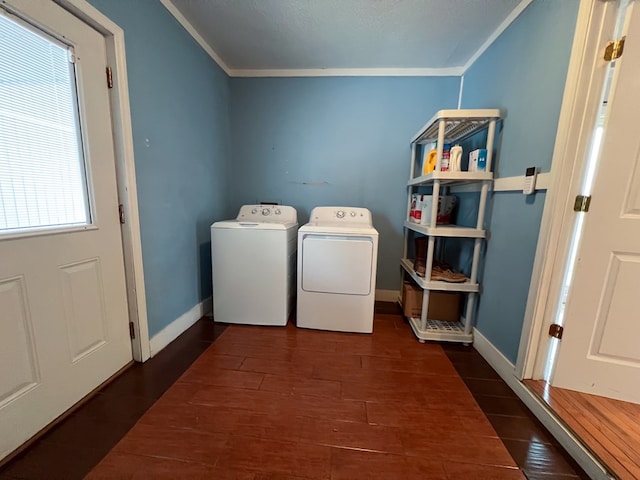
<point>455,159</point>
<point>429,164</point>
<point>446,157</point>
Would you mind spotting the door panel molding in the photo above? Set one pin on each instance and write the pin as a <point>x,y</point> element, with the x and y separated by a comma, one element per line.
<point>614,306</point>
<point>84,305</point>
<point>17,343</point>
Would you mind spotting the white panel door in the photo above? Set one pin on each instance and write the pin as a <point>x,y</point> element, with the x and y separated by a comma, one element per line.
<point>63,306</point>
<point>600,349</point>
<point>337,264</point>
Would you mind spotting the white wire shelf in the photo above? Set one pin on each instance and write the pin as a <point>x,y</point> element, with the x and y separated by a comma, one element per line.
<point>451,178</point>
<point>446,231</point>
<point>459,124</point>
<point>440,331</point>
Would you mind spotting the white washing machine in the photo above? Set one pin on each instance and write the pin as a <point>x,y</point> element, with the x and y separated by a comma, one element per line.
<point>337,261</point>
<point>253,261</point>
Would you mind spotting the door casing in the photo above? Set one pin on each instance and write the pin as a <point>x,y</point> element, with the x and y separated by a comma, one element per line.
<point>125,169</point>
<point>580,106</point>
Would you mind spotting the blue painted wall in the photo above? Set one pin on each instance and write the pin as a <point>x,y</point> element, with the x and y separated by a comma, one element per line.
<point>523,73</point>
<point>351,132</point>
<point>180,115</point>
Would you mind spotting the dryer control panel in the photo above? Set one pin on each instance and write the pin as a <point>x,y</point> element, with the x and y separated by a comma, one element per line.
<point>267,213</point>
<point>347,215</point>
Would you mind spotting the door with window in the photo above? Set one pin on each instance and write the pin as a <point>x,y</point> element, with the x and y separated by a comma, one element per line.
<point>63,306</point>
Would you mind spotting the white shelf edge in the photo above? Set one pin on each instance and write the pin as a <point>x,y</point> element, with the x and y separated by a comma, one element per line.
<point>451,177</point>
<point>440,335</point>
<point>466,287</point>
<point>492,113</point>
<point>452,231</point>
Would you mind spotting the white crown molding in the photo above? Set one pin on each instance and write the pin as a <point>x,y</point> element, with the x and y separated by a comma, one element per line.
<point>173,10</point>
<point>349,72</point>
<point>496,33</point>
<point>311,72</point>
<point>344,72</point>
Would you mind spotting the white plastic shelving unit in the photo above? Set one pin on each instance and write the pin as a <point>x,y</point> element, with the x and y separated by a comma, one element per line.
<point>449,126</point>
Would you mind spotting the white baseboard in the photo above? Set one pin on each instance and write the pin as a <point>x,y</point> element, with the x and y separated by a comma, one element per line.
<point>387,295</point>
<point>172,331</point>
<point>507,371</point>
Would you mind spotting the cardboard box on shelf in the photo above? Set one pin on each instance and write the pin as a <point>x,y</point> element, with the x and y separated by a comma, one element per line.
<point>442,305</point>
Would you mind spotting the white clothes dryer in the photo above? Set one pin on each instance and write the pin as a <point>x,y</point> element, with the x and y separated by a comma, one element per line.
<point>337,262</point>
<point>253,262</point>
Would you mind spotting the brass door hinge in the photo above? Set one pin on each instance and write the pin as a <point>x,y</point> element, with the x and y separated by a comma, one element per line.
<point>132,331</point>
<point>614,49</point>
<point>582,203</point>
<point>121,213</point>
<point>556,331</point>
<point>109,78</point>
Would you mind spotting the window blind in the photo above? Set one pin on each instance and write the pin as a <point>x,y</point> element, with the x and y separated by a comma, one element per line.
<point>42,178</point>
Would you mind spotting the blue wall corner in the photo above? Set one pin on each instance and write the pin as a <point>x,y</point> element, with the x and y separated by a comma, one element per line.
<point>523,73</point>
<point>180,115</point>
<point>351,132</point>
<point>509,256</point>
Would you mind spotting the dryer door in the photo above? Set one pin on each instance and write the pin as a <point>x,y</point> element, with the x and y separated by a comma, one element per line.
<point>337,264</point>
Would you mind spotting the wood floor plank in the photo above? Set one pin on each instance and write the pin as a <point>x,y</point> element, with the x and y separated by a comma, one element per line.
<point>599,432</point>
<point>609,428</point>
<point>215,423</point>
<point>556,401</point>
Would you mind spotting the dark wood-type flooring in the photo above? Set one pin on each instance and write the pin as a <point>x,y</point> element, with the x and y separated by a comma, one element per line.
<point>609,428</point>
<point>285,403</point>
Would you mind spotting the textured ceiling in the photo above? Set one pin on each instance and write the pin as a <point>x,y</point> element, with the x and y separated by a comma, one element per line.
<point>345,34</point>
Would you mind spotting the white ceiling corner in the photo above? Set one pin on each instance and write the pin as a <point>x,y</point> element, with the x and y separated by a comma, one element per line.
<point>278,38</point>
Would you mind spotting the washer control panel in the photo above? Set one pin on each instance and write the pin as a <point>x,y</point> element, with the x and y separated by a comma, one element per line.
<point>267,213</point>
<point>347,215</point>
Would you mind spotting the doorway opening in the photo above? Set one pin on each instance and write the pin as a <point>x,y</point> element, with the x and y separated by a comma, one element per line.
<point>588,177</point>
<point>571,379</point>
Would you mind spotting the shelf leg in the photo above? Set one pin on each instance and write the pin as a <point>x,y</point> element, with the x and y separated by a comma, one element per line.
<point>442,124</point>
<point>431,246</point>
<point>491,132</point>
<point>436,200</point>
<point>425,308</point>
<point>414,152</point>
<point>484,192</point>
<point>469,313</point>
<point>477,244</point>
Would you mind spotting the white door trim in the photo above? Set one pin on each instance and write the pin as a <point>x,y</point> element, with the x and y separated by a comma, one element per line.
<point>585,77</point>
<point>125,169</point>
